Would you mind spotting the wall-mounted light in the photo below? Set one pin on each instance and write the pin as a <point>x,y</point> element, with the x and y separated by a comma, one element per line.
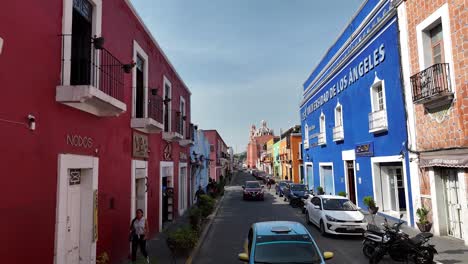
<point>154,91</point>
<point>307,156</point>
<point>166,100</point>
<point>32,122</point>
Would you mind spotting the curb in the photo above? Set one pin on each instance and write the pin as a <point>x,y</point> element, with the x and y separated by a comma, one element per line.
<point>205,232</point>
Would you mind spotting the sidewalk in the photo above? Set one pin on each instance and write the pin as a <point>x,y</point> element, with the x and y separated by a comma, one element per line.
<point>451,250</point>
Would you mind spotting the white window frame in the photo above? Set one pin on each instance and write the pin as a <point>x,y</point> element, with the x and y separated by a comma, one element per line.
<point>182,197</point>
<point>306,136</point>
<point>327,164</point>
<point>139,52</point>
<point>376,83</point>
<point>322,117</point>
<point>338,105</point>
<point>183,113</point>
<point>442,16</point>
<point>169,105</point>
<point>67,30</point>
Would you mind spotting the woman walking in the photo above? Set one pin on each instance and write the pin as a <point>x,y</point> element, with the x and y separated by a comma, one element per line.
<point>138,234</point>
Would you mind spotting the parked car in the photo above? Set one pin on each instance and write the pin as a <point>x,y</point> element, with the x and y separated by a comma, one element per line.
<point>281,242</point>
<point>306,202</point>
<point>280,185</point>
<point>253,191</point>
<point>295,191</point>
<point>335,215</point>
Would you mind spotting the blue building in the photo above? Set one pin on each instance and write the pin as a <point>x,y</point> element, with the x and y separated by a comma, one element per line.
<point>200,155</point>
<point>353,115</point>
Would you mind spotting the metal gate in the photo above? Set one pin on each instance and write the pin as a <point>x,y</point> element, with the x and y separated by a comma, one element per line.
<point>452,200</point>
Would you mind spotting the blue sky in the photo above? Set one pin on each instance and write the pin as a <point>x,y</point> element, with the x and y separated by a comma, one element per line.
<point>245,60</point>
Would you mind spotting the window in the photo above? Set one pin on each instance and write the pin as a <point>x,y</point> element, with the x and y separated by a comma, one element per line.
<point>183,118</point>
<point>338,115</point>
<point>316,201</point>
<point>378,99</point>
<point>322,123</point>
<point>167,104</point>
<point>211,148</point>
<point>139,100</point>
<point>82,21</point>
<point>306,136</point>
<point>437,44</point>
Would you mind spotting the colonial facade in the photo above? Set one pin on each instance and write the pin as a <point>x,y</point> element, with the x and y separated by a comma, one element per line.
<point>433,46</point>
<point>200,156</point>
<point>353,115</point>
<point>257,139</point>
<point>219,157</point>
<point>95,123</point>
<point>289,153</point>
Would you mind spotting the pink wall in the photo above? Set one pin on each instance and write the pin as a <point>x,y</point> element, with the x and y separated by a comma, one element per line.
<point>213,138</point>
<point>29,73</point>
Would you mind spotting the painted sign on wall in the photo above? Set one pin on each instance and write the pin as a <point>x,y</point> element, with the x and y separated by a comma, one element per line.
<point>79,141</point>
<point>365,150</point>
<point>140,145</point>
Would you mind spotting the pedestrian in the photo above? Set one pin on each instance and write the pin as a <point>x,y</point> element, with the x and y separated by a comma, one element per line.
<point>139,234</point>
<point>199,193</point>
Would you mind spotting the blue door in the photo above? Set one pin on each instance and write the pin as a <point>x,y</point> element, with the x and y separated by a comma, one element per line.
<point>327,179</point>
<point>310,176</point>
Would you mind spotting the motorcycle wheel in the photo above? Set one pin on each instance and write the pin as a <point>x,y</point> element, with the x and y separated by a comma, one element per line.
<point>425,256</point>
<point>368,250</point>
<point>377,256</point>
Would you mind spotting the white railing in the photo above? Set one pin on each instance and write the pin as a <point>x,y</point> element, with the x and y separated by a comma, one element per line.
<point>378,121</point>
<point>322,140</point>
<point>338,133</point>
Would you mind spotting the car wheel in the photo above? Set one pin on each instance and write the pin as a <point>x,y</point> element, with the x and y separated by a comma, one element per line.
<point>307,218</point>
<point>285,199</point>
<point>322,228</point>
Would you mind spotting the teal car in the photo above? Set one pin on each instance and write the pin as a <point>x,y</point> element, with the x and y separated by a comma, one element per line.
<point>277,242</point>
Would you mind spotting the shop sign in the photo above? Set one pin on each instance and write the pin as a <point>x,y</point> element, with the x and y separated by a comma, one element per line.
<point>140,145</point>
<point>183,156</point>
<point>365,150</point>
<point>79,141</point>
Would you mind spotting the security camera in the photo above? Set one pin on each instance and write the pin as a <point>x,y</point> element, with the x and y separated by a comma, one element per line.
<point>32,122</point>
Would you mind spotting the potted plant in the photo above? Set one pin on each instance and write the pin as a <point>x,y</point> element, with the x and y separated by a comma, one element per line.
<point>370,203</point>
<point>320,190</point>
<point>423,224</point>
<point>342,194</point>
<point>195,215</point>
<point>98,43</point>
<point>182,240</point>
<point>128,67</point>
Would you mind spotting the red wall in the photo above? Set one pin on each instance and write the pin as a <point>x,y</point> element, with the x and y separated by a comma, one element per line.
<point>29,74</point>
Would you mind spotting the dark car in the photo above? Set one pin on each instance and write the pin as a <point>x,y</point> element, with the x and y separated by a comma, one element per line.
<point>253,191</point>
<point>295,191</point>
<point>280,185</point>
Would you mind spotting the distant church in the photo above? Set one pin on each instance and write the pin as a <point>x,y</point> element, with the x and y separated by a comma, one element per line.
<point>258,137</point>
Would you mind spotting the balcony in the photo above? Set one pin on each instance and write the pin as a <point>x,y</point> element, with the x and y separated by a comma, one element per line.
<point>189,139</point>
<point>322,139</point>
<point>378,121</point>
<point>173,131</point>
<point>431,86</point>
<point>153,123</point>
<point>92,78</point>
<point>338,133</point>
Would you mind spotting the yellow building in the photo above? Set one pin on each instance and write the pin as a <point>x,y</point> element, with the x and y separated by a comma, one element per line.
<point>290,155</point>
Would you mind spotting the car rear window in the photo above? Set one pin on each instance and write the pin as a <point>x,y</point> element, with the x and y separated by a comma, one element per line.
<point>252,185</point>
<point>286,249</point>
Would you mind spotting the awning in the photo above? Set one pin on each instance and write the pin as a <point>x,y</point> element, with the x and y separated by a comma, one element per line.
<point>457,158</point>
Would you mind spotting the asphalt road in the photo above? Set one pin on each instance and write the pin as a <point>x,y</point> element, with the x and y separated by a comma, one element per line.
<point>231,225</point>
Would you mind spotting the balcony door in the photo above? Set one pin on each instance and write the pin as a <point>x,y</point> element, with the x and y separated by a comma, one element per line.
<point>81,43</point>
<point>140,89</point>
<point>167,109</point>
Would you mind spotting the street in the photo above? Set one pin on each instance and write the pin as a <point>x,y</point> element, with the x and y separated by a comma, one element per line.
<point>229,230</point>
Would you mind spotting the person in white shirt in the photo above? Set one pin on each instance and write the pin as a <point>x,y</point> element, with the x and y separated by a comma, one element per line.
<point>139,234</point>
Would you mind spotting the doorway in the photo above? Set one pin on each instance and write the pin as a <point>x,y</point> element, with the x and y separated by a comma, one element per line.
<point>351,180</point>
<point>139,187</point>
<point>452,202</point>
<point>81,43</point>
<point>182,188</point>
<point>301,174</point>
<point>291,173</point>
<point>76,226</point>
<point>310,175</point>
<point>166,191</point>
<point>393,187</point>
<point>326,179</point>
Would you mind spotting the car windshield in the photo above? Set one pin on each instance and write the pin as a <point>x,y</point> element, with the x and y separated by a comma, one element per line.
<point>287,252</point>
<point>338,205</point>
<point>252,185</point>
<point>283,183</point>
<point>298,187</point>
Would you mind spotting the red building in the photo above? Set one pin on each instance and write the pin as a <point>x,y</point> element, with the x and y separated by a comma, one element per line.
<point>95,123</point>
<point>219,158</point>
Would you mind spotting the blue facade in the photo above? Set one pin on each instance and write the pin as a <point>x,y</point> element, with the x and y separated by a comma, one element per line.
<point>361,75</point>
<point>201,148</point>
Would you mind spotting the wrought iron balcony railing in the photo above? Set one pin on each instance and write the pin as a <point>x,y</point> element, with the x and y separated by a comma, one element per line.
<point>93,65</point>
<point>155,108</point>
<point>378,121</point>
<point>431,83</point>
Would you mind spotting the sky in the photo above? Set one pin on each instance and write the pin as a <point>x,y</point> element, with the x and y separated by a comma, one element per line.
<point>245,60</point>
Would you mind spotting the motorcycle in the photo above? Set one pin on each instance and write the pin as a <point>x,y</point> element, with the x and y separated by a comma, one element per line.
<point>401,248</point>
